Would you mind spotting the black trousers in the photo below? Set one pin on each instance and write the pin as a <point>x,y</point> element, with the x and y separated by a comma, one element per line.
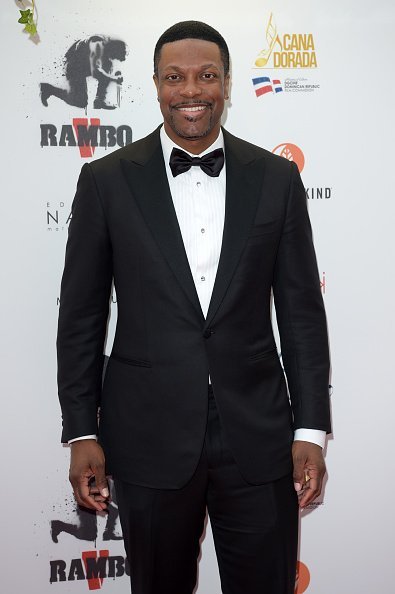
<point>255,528</point>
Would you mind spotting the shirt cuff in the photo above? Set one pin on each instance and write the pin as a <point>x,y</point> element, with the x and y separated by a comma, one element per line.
<point>82,437</point>
<point>313,435</point>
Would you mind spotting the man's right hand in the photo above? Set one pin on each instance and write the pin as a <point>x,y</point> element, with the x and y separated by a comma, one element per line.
<point>86,463</point>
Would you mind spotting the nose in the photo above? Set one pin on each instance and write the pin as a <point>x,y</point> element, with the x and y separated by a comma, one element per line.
<point>191,87</point>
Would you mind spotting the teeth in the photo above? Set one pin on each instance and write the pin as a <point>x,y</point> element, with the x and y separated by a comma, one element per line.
<point>197,108</point>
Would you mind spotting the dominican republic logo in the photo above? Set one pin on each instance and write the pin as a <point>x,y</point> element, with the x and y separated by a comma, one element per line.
<point>263,85</point>
<point>92,80</point>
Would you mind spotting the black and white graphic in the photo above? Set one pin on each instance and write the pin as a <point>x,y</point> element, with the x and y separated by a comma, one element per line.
<point>99,57</point>
<point>85,526</point>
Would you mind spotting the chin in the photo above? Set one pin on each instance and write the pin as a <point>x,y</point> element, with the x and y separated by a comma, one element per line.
<point>191,134</point>
<point>191,131</point>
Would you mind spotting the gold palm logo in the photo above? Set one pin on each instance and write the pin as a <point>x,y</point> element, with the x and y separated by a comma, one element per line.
<point>271,38</point>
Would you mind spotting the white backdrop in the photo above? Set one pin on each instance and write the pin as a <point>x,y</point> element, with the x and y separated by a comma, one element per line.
<point>343,124</point>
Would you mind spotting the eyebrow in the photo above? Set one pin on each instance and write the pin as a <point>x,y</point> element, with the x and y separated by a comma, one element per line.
<point>202,67</point>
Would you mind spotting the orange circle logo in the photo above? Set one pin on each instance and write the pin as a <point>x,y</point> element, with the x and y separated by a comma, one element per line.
<point>291,152</point>
<point>302,579</point>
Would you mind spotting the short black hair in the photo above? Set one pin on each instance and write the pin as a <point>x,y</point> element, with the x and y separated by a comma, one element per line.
<point>192,30</point>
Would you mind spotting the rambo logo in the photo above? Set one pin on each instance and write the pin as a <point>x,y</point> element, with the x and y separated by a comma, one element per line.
<point>93,566</point>
<point>87,136</point>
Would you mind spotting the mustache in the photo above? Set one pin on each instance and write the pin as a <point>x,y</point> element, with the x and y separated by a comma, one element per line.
<point>188,103</point>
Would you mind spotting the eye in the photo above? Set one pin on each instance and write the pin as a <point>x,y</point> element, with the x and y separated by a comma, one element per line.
<point>208,75</point>
<point>173,77</point>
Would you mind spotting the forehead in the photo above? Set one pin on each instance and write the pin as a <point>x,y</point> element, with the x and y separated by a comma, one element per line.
<point>187,53</point>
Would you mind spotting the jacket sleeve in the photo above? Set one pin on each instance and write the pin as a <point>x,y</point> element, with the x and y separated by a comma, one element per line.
<point>84,308</point>
<point>301,315</point>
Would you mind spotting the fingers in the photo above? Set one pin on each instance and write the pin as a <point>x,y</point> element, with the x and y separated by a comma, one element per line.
<point>89,495</point>
<point>309,471</point>
<point>83,495</point>
<point>97,496</point>
<point>86,464</point>
<point>101,481</point>
<point>310,491</point>
<point>298,473</point>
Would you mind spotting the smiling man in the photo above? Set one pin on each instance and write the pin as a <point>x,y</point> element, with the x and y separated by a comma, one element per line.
<point>196,228</point>
<point>191,92</point>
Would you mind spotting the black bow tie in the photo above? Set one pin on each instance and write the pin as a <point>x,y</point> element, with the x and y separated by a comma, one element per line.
<point>211,163</point>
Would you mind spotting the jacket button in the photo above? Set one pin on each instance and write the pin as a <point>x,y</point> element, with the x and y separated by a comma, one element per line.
<point>208,332</point>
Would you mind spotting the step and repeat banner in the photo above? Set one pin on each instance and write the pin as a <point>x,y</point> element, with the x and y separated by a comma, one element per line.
<point>312,82</point>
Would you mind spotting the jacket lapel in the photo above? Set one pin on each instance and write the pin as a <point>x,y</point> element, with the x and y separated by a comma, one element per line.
<point>244,179</point>
<point>146,175</point>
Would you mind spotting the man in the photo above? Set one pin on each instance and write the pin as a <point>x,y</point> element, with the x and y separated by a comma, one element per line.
<point>96,57</point>
<point>194,410</point>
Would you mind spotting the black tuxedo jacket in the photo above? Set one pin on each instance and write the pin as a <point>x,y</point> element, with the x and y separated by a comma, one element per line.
<point>153,404</point>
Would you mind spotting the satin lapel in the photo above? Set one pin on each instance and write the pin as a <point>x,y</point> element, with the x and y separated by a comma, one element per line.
<point>148,182</point>
<point>244,178</point>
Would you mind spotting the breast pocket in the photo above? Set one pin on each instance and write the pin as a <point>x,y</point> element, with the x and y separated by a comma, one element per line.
<point>264,354</point>
<point>264,229</point>
<point>128,361</point>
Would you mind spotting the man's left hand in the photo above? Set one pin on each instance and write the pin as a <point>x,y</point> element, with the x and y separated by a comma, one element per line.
<point>309,471</point>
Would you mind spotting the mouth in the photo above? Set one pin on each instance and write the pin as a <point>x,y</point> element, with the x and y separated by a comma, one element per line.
<point>191,110</point>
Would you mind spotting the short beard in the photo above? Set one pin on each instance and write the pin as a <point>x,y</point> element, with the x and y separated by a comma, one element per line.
<point>191,119</point>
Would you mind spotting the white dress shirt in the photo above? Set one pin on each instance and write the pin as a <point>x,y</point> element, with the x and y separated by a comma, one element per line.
<point>199,202</point>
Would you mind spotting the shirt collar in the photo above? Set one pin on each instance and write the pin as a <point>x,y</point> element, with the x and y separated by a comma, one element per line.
<point>168,144</point>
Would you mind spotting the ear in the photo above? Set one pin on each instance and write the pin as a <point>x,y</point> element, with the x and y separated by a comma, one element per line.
<point>156,81</point>
<point>226,86</point>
